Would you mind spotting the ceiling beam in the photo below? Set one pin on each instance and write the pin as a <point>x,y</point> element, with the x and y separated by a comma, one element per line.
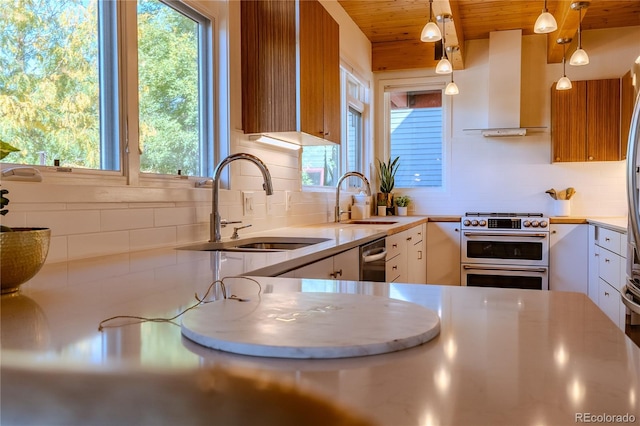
<point>413,53</point>
<point>568,21</point>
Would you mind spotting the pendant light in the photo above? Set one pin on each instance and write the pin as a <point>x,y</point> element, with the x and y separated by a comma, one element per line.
<point>545,23</point>
<point>564,83</point>
<point>452,87</point>
<point>444,66</point>
<point>579,57</point>
<point>431,31</point>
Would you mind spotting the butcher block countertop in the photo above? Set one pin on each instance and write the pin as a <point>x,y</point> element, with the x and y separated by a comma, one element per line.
<point>502,356</point>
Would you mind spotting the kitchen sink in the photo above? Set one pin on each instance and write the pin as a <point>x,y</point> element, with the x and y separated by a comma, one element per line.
<point>370,222</point>
<point>258,244</point>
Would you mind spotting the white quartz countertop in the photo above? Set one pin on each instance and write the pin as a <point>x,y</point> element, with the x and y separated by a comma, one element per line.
<point>511,357</point>
<point>618,224</point>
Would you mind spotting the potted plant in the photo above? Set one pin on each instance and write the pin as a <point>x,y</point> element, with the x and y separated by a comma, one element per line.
<point>387,178</point>
<point>24,250</point>
<point>402,203</point>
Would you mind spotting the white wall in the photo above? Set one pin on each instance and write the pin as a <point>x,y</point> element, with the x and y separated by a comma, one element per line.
<point>512,174</point>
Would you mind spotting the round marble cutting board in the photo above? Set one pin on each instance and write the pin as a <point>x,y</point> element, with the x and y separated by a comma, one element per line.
<point>311,325</point>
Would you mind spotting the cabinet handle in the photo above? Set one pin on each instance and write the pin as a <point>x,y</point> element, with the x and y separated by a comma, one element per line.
<point>394,245</point>
<point>409,239</point>
<point>607,239</point>
<point>419,254</point>
<point>394,267</point>
<point>327,133</point>
<point>456,230</point>
<point>607,260</point>
<point>339,273</point>
<point>590,158</point>
<point>606,293</point>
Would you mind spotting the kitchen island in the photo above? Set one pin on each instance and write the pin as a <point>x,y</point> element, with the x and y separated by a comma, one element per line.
<point>502,356</point>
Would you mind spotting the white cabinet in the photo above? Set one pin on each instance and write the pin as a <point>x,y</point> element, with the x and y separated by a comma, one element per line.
<point>396,262</point>
<point>416,259</point>
<point>406,260</point>
<point>343,266</point>
<point>569,257</point>
<point>443,253</point>
<point>607,271</point>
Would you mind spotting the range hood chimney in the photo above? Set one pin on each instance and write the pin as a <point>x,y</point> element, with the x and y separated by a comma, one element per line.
<point>505,65</point>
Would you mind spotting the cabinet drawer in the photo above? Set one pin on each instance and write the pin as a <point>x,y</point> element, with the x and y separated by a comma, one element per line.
<point>415,234</point>
<point>609,267</point>
<point>393,269</point>
<point>610,240</point>
<point>609,301</point>
<point>395,244</point>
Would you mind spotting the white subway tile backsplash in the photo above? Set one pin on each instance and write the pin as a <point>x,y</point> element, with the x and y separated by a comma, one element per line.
<point>97,244</point>
<point>67,222</point>
<point>174,216</point>
<point>120,220</point>
<point>142,239</point>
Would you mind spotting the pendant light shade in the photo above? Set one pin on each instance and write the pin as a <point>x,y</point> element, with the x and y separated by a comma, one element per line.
<point>564,83</point>
<point>452,88</point>
<point>579,57</point>
<point>444,66</point>
<point>430,32</point>
<point>545,23</point>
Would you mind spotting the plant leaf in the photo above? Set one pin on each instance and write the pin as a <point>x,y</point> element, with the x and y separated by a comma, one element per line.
<point>6,149</point>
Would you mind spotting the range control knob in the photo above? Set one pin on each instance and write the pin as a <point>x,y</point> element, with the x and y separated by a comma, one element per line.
<point>483,223</point>
<point>535,224</point>
<point>466,222</point>
<point>526,223</point>
<point>474,222</point>
<point>543,224</point>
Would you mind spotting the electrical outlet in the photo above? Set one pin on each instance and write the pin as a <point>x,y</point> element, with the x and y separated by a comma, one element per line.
<point>287,200</point>
<point>247,203</point>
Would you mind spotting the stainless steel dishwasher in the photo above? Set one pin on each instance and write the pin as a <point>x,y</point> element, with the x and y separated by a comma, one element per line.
<point>372,261</point>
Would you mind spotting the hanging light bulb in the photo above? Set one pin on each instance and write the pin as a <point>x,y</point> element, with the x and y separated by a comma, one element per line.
<point>579,57</point>
<point>545,23</point>
<point>430,32</point>
<point>444,66</point>
<point>452,87</point>
<point>564,83</point>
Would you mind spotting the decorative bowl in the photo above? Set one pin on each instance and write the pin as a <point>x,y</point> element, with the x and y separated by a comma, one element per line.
<point>22,254</point>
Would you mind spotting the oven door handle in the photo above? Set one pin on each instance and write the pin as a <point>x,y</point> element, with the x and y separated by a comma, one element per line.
<point>499,268</point>
<point>374,255</point>
<point>499,234</point>
<point>628,301</point>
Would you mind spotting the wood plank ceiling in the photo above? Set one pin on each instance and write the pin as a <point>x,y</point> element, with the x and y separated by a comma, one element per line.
<point>394,26</point>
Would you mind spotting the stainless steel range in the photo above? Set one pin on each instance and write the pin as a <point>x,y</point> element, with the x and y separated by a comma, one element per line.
<point>506,250</point>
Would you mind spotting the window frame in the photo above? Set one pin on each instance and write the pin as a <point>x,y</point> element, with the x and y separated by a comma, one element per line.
<point>385,86</point>
<point>121,35</point>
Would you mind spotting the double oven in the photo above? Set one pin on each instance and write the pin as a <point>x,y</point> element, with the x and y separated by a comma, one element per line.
<point>505,250</point>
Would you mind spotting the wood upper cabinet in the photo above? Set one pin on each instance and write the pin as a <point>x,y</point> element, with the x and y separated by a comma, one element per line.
<point>626,101</point>
<point>277,96</point>
<point>585,122</point>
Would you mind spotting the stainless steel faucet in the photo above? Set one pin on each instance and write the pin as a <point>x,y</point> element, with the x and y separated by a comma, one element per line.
<point>339,213</point>
<point>216,223</point>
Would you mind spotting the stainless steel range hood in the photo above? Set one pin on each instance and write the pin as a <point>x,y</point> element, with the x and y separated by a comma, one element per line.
<point>505,66</point>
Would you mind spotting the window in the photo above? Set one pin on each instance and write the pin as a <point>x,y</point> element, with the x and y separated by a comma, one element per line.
<point>415,120</point>
<point>49,82</point>
<point>61,92</point>
<point>323,165</point>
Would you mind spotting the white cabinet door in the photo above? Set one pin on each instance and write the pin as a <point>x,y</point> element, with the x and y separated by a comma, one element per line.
<point>416,259</point>
<point>346,265</point>
<point>569,258</point>
<point>443,253</point>
<point>609,301</point>
<point>320,269</point>
<point>343,266</point>
<point>594,255</point>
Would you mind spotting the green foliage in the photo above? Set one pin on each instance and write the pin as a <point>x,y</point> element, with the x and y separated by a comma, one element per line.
<point>6,149</point>
<point>49,84</point>
<point>387,174</point>
<point>402,200</point>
